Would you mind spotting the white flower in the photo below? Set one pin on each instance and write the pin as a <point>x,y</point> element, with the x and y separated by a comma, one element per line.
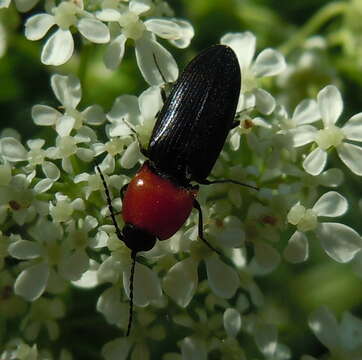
<point>68,91</point>
<point>343,340</point>
<point>339,241</point>
<point>330,106</point>
<point>268,63</point>
<point>155,63</point>
<point>59,47</point>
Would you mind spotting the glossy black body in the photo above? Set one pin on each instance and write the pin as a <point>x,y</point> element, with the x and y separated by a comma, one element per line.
<point>197,116</point>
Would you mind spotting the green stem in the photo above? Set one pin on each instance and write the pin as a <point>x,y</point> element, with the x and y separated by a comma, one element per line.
<point>83,65</point>
<point>315,22</point>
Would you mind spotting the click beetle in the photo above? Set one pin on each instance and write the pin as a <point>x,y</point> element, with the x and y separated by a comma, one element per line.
<point>186,141</point>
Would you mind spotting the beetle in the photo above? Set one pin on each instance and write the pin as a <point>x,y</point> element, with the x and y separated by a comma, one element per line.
<point>185,143</point>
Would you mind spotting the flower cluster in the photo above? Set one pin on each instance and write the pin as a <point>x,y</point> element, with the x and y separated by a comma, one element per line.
<point>57,240</point>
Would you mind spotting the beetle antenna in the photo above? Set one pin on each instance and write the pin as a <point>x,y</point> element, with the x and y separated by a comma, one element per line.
<point>223,181</point>
<point>110,207</point>
<point>131,281</point>
<point>158,68</point>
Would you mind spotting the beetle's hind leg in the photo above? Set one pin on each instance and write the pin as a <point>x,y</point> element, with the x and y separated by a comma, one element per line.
<point>201,227</point>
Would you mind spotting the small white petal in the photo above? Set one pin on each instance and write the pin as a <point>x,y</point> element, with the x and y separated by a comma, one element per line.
<point>187,33</point>
<point>94,115</point>
<point>114,53</point>
<point>243,44</point>
<point>330,104</point>
<point>146,286</point>
<point>266,256</point>
<point>264,101</point>
<point>117,349</point>
<point>306,112</point>
<point>352,129</point>
<point>232,322</point>
<point>45,115</point>
<point>266,337</point>
<point>351,331</point>
<point>65,125</point>
<point>148,53</point>
<point>50,170</point>
<point>4,4</point>
<point>166,29</point>
<point>269,63</point>
<point>315,162</point>
<point>108,15</point>
<point>94,30</point>
<point>11,149</point>
<point>73,266</point>
<point>303,135</point>
<point>67,90</point>
<point>43,185</point>
<point>180,283</point>
<point>351,155</point>
<point>25,249</point>
<point>58,49</point>
<point>38,25</point>
<point>193,348</point>
<point>325,327</point>
<point>331,204</point>
<point>339,241</point>
<point>139,6</point>
<point>150,102</point>
<point>32,281</point>
<point>88,280</point>
<point>131,156</point>
<point>223,279</point>
<point>25,5</point>
<point>331,178</point>
<point>297,249</point>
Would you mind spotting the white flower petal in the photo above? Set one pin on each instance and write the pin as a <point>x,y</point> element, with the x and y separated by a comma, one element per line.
<point>150,102</point>
<point>193,348</point>
<point>264,101</point>
<point>139,6</point>
<point>67,90</point>
<point>25,249</point>
<point>266,337</point>
<point>155,63</point>
<point>315,162</point>
<point>45,115</point>
<point>306,112</point>
<point>94,115</point>
<point>339,241</point>
<point>131,156</point>
<point>223,279</point>
<point>25,5</point>
<point>351,155</point>
<point>331,204</point>
<point>297,249</point>
<point>11,149</point>
<point>115,52</point>
<point>330,104</point>
<point>232,322</point>
<point>65,125</point>
<point>74,265</point>
<point>166,29</point>
<point>180,283</point>
<point>303,135</point>
<point>331,177</point>
<point>187,33</point>
<point>43,185</point>
<point>243,44</point>
<point>50,170</point>
<point>352,129</point>
<point>269,63</point>
<point>38,25</point>
<point>108,15</point>
<point>146,287</point>
<point>350,331</point>
<point>117,349</point>
<point>94,30</point>
<point>266,256</point>
<point>58,49</point>
<point>325,327</point>
<point>31,282</point>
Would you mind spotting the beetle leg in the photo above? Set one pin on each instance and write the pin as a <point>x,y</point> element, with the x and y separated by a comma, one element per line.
<point>223,181</point>
<point>201,227</point>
